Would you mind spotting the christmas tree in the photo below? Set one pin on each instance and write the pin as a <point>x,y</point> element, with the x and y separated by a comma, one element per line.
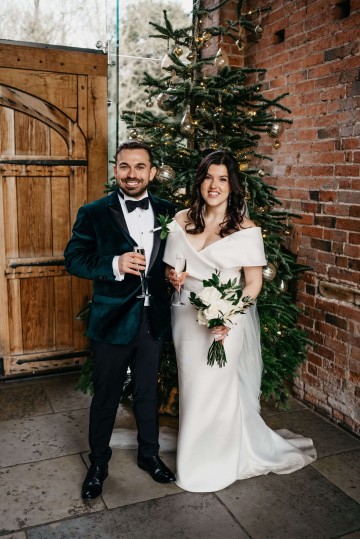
<point>200,104</point>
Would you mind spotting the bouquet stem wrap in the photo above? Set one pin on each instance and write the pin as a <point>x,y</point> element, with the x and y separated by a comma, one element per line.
<point>218,304</point>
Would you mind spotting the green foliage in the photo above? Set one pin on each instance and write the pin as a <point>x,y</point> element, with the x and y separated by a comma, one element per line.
<point>227,111</point>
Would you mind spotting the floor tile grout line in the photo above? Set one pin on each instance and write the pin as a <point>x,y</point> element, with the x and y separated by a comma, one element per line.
<point>233,516</point>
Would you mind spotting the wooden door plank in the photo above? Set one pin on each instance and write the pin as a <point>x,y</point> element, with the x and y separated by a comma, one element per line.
<point>15,317</point>
<point>34,216</point>
<point>31,136</point>
<point>7,139</point>
<point>59,89</point>
<point>58,146</point>
<point>10,217</point>
<point>97,137</point>
<point>59,60</point>
<point>37,300</point>
<point>63,313</point>
<point>4,310</point>
<point>60,200</point>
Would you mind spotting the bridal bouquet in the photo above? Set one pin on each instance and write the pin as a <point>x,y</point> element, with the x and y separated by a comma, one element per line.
<point>219,304</point>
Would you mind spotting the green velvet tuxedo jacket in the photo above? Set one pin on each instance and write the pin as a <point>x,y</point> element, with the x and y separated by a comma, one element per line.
<point>99,234</point>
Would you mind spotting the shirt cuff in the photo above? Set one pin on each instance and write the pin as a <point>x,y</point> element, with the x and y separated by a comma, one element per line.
<point>119,276</point>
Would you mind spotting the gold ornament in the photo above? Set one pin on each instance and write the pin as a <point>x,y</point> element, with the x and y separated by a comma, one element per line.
<point>149,103</point>
<point>259,29</point>
<point>261,173</point>
<point>191,56</point>
<point>251,113</point>
<point>178,51</point>
<point>269,272</point>
<point>214,145</point>
<point>221,59</point>
<point>165,173</point>
<point>187,127</point>
<point>276,144</point>
<point>133,135</point>
<point>244,166</point>
<point>199,42</point>
<point>206,35</point>
<point>240,43</point>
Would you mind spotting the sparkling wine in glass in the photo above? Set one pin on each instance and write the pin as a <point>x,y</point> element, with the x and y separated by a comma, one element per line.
<point>143,294</point>
<point>180,266</point>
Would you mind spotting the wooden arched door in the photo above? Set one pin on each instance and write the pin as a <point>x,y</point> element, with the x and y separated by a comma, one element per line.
<point>44,178</point>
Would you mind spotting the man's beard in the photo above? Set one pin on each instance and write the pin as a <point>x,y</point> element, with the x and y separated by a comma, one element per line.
<point>134,192</point>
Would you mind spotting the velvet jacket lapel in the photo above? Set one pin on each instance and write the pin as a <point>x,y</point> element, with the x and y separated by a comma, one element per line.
<point>117,215</point>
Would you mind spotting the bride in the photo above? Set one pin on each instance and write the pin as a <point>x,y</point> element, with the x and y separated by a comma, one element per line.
<point>222,437</point>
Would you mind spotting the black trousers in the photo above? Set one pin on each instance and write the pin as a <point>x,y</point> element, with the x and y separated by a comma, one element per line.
<point>111,362</point>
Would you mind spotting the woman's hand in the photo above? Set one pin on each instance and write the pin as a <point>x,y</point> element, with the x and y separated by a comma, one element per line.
<point>176,279</point>
<point>220,332</point>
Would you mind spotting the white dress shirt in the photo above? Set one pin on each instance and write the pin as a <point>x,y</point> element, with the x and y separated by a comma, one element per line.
<point>140,223</point>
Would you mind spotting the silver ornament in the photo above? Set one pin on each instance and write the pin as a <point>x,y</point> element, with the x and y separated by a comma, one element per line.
<point>165,173</point>
<point>162,101</point>
<point>187,127</point>
<point>275,129</point>
<point>133,135</point>
<point>269,272</point>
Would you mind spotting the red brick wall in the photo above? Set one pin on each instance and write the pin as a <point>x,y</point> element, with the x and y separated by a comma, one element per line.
<point>316,171</point>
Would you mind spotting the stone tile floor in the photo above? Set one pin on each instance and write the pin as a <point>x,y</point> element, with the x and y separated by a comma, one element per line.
<point>43,460</point>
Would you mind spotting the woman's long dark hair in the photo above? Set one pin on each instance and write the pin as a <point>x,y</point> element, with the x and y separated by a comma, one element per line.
<point>235,210</point>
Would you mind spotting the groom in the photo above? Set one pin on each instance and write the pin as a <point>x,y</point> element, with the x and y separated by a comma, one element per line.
<point>125,330</point>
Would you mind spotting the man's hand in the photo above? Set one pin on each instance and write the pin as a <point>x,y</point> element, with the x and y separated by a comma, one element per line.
<point>131,263</point>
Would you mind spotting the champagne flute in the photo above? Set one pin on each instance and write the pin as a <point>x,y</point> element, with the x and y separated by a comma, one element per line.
<point>144,294</point>
<point>180,266</point>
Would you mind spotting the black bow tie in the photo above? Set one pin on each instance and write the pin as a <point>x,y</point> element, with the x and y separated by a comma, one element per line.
<point>132,204</point>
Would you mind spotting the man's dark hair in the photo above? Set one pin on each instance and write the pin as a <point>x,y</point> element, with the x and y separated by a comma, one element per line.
<point>135,145</point>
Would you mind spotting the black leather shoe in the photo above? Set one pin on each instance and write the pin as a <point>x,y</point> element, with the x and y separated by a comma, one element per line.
<point>92,486</point>
<point>156,468</point>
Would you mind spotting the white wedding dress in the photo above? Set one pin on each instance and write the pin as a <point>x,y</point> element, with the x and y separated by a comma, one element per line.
<point>222,436</point>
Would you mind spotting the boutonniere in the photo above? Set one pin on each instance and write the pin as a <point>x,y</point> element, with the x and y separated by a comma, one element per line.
<point>164,221</point>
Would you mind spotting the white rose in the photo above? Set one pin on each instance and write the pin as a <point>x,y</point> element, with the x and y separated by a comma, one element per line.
<point>209,295</point>
<point>219,309</point>
<point>201,318</point>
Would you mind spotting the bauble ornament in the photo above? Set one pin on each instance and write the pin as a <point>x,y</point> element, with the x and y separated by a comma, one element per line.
<point>187,126</point>
<point>165,173</point>
<point>178,51</point>
<point>269,272</point>
<point>276,144</point>
<point>163,102</point>
<point>275,129</point>
<point>240,43</point>
<point>133,134</point>
<point>221,59</point>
